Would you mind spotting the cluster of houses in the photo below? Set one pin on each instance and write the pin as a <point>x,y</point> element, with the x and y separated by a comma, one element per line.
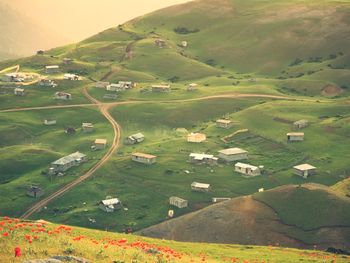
<point>16,77</point>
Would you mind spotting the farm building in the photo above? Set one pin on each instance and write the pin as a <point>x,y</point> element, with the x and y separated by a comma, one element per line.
<point>110,205</point>
<point>115,87</point>
<point>222,123</point>
<point>304,170</point>
<point>161,88</point>
<point>70,130</point>
<point>47,83</point>
<point>200,187</point>
<point>63,96</point>
<point>110,96</point>
<point>220,199</point>
<point>52,69</point>
<point>87,127</point>
<point>160,42</point>
<point>135,138</point>
<point>201,158</point>
<point>196,137</point>
<point>178,202</point>
<point>295,136</point>
<point>247,169</point>
<point>35,191</point>
<point>144,158</point>
<point>301,124</point>
<point>9,77</point>
<point>69,76</point>
<point>233,154</point>
<point>19,92</point>
<point>67,61</point>
<point>100,144</point>
<point>49,122</point>
<point>64,163</point>
<point>127,84</point>
<point>101,84</point>
<point>192,87</point>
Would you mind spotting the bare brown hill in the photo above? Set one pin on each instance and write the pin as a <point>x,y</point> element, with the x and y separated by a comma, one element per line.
<point>253,220</point>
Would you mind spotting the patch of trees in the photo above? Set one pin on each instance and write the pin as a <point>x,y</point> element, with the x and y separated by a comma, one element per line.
<point>184,30</point>
<point>210,62</point>
<point>174,79</point>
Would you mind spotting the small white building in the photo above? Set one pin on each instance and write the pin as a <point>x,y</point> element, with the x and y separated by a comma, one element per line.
<point>127,84</point>
<point>295,136</point>
<point>101,84</point>
<point>47,83</point>
<point>64,163</point>
<point>200,187</point>
<point>87,127</point>
<point>301,124</point>
<point>196,137</point>
<point>135,138</point>
<point>201,158</point>
<point>178,202</point>
<point>161,88</point>
<point>110,205</point>
<point>19,92</point>
<point>143,158</point>
<point>115,87</point>
<point>223,123</point>
<point>247,169</point>
<point>304,170</point>
<point>52,69</point>
<point>49,122</point>
<point>63,96</point>
<point>220,199</point>
<point>192,87</point>
<point>184,43</point>
<point>233,154</point>
<point>100,144</point>
<point>69,76</point>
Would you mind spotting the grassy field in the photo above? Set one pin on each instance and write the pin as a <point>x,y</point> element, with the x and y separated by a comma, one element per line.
<point>45,240</point>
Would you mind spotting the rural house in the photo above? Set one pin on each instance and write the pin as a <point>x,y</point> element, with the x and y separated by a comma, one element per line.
<point>295,136</point>
<point>196,137</point>
<point>64,163</point>
<point>110,205</point>
<point>52,69</point>
<point>100,144</point>
<point>160,42</point>
<point>101,84</point>
<point>127,84</point>
<point>301,124</point>
<point>115,87</point>
<point>69,76</point>
<point>49,122</point>
<point>220,199</point>
<point>135,138</point>
<point>178,202</point>
<point>233,154</point>
<point>192,87</point>
<point>201,158</point>
<point>161,88</point>
<point>70,131</point>
<point>67,61</point>
<point>144,158</point>
<point>247,169</point>
<point>47,83</point>
<point>87,127</point>
<point>200,187</point>
<point>222,123</point>
<point>304,170</point>
<point>10,77</point>
<point>35,191</point>
<point>19,92</point>
<point>63,96</point>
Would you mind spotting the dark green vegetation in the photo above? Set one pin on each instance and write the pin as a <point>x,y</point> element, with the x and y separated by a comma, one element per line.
<point>296,49</point>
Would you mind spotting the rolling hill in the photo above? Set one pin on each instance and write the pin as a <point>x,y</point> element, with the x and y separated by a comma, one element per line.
<point>292,216</point>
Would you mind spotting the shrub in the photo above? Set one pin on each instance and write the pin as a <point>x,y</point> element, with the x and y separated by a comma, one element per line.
<point>184,30</point>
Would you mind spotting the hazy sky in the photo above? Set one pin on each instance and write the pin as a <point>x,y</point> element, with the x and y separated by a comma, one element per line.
<point>77,19</point>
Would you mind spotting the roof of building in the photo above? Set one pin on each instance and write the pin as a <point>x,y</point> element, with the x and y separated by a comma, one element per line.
<point>197,136</point>
<point>69,75</point>
<point>200,185</point>
<point>177,199</point>
<point>301,122</point>
<point>161,86</point>
<point>69,158</point>
<point>193,85</point>
<point>52,67</point>
<point>233,151</point>
<point>60,93</point>
<point>295,134</point>
<point>87,125</point>
<point>144,155</point>
<point>100,141</point>
<point>19,89</point>
<point>224,121</point>
<point>109,202</point>
<point>304,167</point>
<point>244,165</point>
<point>201,156</point>
<point>34,189</point>
<point>137,136</point>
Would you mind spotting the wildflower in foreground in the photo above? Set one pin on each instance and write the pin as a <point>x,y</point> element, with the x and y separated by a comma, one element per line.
<point>17,252</point>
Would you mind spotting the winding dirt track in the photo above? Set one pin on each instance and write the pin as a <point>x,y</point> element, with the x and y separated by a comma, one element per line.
<point>104,108</point>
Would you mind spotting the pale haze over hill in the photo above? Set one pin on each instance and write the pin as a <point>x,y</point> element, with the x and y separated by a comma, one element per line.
<point>69,20</point>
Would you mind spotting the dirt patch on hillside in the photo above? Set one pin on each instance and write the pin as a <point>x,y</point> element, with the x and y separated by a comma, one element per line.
<point>331,91</point>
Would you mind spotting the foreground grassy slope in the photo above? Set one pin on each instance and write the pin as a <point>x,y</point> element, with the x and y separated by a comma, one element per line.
<point>44,240</point>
